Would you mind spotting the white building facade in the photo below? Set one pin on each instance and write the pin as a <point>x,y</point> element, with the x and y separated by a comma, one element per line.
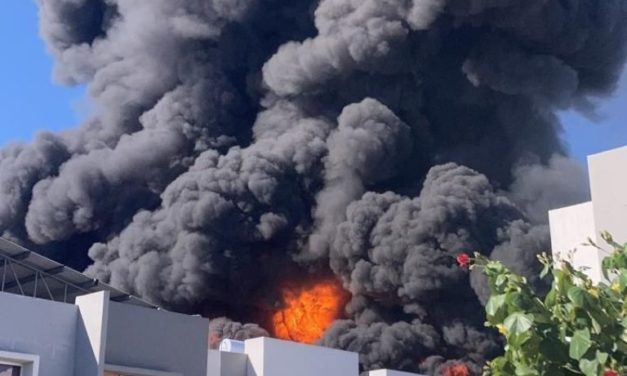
<point>55,321</point>
<point>572,226</point>
<point>99,337</point>
<point>96,336</point>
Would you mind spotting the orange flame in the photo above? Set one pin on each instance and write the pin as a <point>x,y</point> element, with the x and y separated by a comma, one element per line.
<point>457,370</point>
<point>309,311</point>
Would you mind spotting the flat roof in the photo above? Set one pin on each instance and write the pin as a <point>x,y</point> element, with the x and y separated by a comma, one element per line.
<point>27,273</point>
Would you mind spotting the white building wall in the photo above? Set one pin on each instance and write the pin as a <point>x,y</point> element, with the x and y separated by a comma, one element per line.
<point>91,326</point>
<point>608,187</point>
<point>96,335</point>
<point>42,327</point>
<point>156,340</point>
<point>573,225</point>
<point>387,372</point>
<point>273,357</point>
<point>570,228</point>
<point>224,363</point>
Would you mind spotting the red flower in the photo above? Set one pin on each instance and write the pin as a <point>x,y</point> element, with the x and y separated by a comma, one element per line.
<point>463,260</point>
<point>610,372</point>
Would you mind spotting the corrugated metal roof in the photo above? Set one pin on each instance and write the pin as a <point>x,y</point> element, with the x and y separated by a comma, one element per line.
<point>28,273</point>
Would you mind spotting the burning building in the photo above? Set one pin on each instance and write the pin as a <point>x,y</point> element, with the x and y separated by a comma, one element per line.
<point>249,159</point>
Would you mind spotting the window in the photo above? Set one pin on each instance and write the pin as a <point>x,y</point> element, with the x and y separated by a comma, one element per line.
<point>18,364</point>
<point>10,370</point>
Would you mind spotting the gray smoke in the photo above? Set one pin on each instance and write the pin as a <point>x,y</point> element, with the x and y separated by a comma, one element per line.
<point>367,146</point>
<point>222,328</point>
<point>390,243</point>
<point>532,188</point>
<point>235,144</point>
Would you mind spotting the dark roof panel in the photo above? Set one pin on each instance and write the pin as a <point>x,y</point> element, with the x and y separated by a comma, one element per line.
<point>28,273</point>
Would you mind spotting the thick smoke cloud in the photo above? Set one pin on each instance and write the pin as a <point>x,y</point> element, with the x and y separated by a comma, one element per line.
<point>214,219</point>
<point>533,186</point>
<point>392,243</point>
<point>234,144</point>
<point>367,146</point>
<point>222,328</point>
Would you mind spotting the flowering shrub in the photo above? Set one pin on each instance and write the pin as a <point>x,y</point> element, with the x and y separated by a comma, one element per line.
<point>463,260</point>
<point>578,328</point>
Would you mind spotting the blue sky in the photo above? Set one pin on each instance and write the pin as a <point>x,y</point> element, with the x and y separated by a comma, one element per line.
<point>31,101</point>
<point>585,136</point>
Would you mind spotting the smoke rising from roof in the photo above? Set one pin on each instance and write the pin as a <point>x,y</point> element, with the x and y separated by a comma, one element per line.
<point>237,142</point>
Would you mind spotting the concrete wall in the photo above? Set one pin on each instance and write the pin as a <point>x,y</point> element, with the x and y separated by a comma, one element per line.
<point>42,327</point>
<point>156,340</point>
<point>272,357</point>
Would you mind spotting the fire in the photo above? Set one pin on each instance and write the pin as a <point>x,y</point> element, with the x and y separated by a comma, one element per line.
<point>214,340</point>
<point>457,370</point>
<point>308,311</point>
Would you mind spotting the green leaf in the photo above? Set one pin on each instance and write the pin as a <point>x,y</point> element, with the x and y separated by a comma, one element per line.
<point>589,367</point>
<point>496,309</point>
<point>516,300</point>
<point>579,344</point>
<point>545,270</point>
<point>562,280</point>
<point>602,357</point>
<point>577,296</point>
<point>551,298</point>
<point>542,318</point>
<point>600,319</point>
<point>500,280</point>
<point>494,304</point>
<point>526,370</point>
<point>521,339</point>
<point>606,265</point>
<point>622,279</point>
<point>518,322</point>
<point>596,326</point>
<point>552,348</point>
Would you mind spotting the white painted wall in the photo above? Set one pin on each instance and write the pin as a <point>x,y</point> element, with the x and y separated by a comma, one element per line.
<point>387,372</point>
<point>570,228</point>
<point>91,327</point>
<point>131,371</point>
<point>40,327</point>
<point>608,187</point>
<point>273,357</point>
<point>97,334</point>
<point>155,339</point>
<point>573,225</point>
<point>224,363</point>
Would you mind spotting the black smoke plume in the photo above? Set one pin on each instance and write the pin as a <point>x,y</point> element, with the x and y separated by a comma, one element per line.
<point>238,142</point>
